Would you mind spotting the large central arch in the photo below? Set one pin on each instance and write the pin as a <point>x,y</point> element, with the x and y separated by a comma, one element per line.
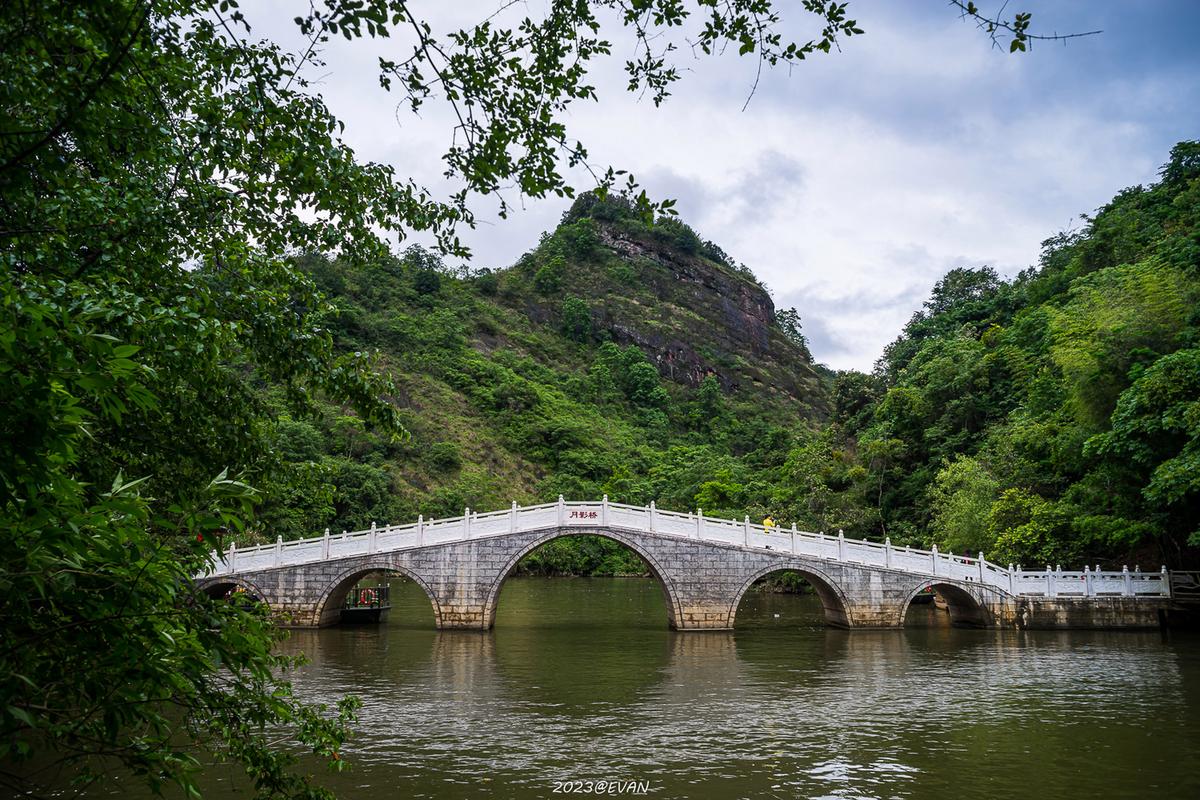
<point>330,603</point>
<point>837,609</point>
<point>670,593</point>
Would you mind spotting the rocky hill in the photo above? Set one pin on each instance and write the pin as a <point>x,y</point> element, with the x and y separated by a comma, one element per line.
<point>615,357</point>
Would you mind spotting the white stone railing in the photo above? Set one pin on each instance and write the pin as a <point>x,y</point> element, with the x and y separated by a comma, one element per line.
<point>648,519</point>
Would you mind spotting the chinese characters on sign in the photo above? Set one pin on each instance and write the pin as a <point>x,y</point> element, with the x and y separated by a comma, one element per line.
<point>584,515</point>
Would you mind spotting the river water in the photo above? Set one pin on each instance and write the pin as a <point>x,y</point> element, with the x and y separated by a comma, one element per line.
<point>581,680</point>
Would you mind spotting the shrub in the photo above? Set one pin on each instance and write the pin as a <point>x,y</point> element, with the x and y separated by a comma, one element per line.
<point>487,282</point>
<point>444,456</point>
<point>576,319</point>
<point>548,279</point>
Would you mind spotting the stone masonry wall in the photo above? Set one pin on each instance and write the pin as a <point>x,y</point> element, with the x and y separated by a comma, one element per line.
<point>703,582</point>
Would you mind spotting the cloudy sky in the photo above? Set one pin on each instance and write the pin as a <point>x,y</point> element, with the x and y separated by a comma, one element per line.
<point>853,183</point>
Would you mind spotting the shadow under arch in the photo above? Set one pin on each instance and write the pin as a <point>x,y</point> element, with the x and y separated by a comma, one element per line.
<point>837,609</point>
<point>669,594</point>
<point>225,587</point>
<point>966,610</point>
<point>329,606</point>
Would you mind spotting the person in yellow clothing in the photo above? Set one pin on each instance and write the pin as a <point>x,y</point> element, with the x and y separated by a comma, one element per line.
<point>768,523</point>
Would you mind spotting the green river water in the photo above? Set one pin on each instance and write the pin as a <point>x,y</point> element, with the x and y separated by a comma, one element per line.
<point>581,680</point>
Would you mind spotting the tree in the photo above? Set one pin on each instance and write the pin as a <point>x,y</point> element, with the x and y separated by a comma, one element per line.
<point>1156,427</point>
<point>576,319</point>
<point>961,498</point>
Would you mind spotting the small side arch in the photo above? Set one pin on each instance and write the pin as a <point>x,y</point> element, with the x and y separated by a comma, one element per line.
<point>837,609</point>
<point>670,595</point>
<point>222,586</point>
<point>967,610</point>
<point>329,605</point>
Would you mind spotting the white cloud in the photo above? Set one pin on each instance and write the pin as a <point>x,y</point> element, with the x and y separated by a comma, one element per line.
<point>850,186</point>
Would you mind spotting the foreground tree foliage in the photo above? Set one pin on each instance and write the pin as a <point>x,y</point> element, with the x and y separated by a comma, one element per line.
<point>156,166</point>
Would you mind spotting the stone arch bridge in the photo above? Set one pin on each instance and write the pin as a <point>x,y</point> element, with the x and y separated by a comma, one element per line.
<point>704,566</point>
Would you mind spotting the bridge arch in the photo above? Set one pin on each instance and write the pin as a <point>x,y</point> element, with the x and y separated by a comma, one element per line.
<point>329,603</point>
<point>833,600</point>
<point>964,602</point>
<point>221,587</point>
<point>670,593</point>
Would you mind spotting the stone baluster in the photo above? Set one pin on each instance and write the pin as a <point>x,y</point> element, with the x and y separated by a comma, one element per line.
<point>1166,582</point>
<point>604,511</point>
<point>562,511</point>
<point>746,529</point>
<point>653,518</point>
<point>512,517</point>
<point>933,560</point>
<point>467,523</point>
<point>1127,580</point>
<point>325,546</point>
<point>372,540</point>
<point>887,552</point>
<point>420,530</point>
<point>232,558</point>
<point>793,538</point>
<point>1010,579</point>
<point>1089,586</point>
<point>699,523</point>
<point>1049,582</point>
<point>981,566</point>
<point>841,546</point>
<point>278,549</point>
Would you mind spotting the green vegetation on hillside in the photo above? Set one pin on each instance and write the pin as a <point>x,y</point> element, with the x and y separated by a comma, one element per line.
<point>1056,416</point>
<point>1047,418</point>
<point>513,388</point>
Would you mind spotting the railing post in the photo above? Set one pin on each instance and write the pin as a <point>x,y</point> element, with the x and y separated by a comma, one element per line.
<point>933,559</point>
<point>841,546</point>
<point>1049,582</point>
<point>512,517</point>
<point>372,541</point>
<point>793,538</point>
<point>232,559</point>
<point>1166,582</point>
<point>420,530</point>
<point>1128,580</point>
<point>746,529</point>
<point>1089,588</point>
<point>1010,579</point>
<point>653,517</point>
<point>466,523</point>
<point>887,552</point>
<point>325,546</point>
<point>604,511</point>
<point>699,523</point>
<point>562,512</point>
<point>981,566</point>
<point>278,549</point>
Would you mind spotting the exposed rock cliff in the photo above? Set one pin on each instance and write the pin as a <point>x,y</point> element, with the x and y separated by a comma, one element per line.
<point>692,315</point>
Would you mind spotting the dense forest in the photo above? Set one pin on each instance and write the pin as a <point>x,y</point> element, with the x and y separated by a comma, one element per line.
<point>1053,417</point>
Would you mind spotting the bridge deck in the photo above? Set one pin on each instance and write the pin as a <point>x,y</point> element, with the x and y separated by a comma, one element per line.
<point>1016,582</point>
